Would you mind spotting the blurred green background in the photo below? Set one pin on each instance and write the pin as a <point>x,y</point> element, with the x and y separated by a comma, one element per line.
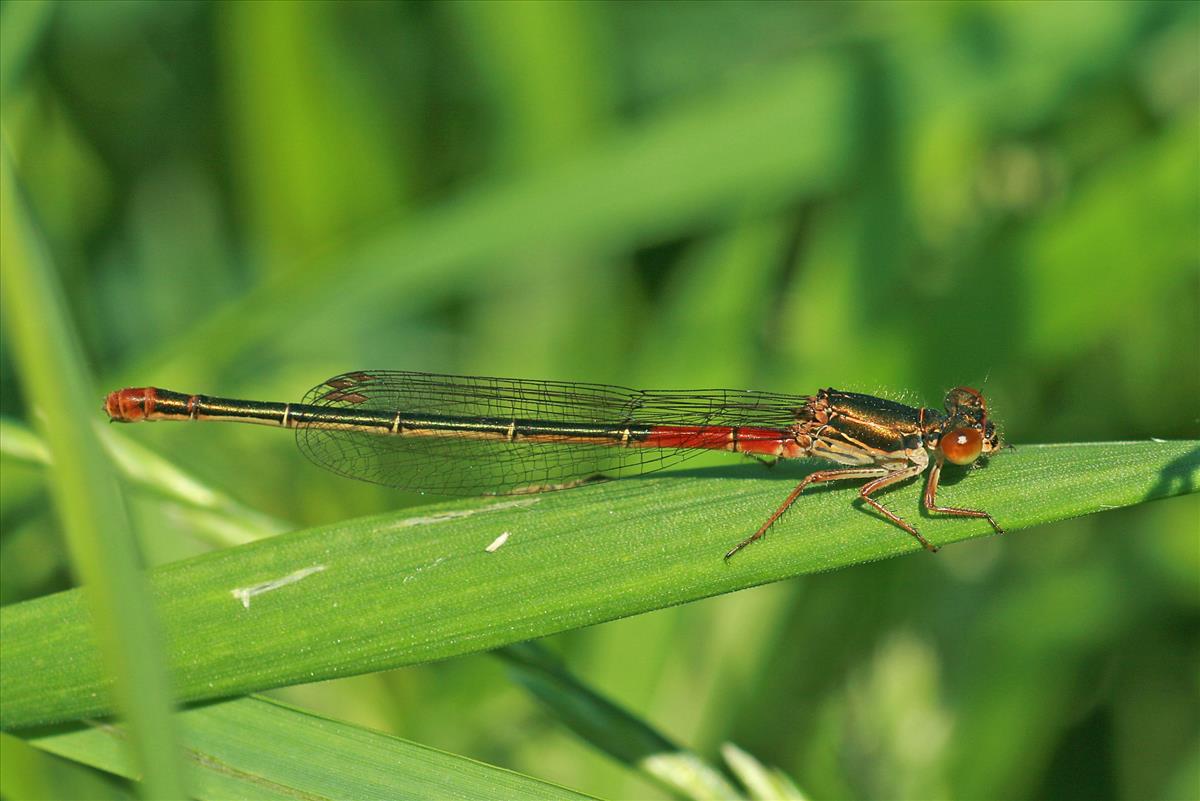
<point>246,198</point>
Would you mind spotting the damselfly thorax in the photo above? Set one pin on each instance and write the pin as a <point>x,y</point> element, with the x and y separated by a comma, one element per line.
<point>468,434</point>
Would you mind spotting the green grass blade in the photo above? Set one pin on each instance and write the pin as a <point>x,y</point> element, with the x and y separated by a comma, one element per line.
<point>254,748</point>
<point>220,519</point>
<point>397,589</point>
<point>87,498</point>
<point>18,441</point>
<point>622,735</point>
<point>764,784</point>
<point>30,773</point>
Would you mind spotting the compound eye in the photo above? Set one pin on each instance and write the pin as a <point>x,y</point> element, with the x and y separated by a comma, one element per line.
<point>962,445</point>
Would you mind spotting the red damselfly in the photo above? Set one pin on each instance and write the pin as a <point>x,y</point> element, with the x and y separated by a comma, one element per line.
<point>459,435</point>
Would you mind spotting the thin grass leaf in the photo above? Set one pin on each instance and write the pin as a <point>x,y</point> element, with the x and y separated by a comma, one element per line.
<point>30,773</point>
<point>258,749</point>
<point>620,734</point>
<point>398,589</point>
<point>18,442</point>
<point>764,784</point>
<point>86,495</point>
<point>221,519</point>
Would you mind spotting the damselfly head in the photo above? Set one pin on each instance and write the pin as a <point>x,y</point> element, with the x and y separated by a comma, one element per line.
<point>968,433</point>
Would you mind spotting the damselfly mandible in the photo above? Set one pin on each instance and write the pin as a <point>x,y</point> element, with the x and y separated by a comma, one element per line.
<point>459,435</point>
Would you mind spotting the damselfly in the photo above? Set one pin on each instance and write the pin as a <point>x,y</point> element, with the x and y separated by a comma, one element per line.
<point>459,435</point>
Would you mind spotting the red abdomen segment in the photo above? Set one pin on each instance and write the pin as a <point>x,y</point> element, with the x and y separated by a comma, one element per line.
<point>132,404</point>
<point>737,439</point>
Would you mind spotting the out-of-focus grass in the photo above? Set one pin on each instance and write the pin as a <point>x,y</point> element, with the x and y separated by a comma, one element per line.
<point>87,500</point>
<point>1007,191</point>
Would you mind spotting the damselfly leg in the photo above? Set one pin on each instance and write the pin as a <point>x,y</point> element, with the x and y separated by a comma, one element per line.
<point>931,487</point>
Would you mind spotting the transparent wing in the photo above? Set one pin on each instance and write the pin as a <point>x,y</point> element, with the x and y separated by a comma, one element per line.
<point>458,464</point>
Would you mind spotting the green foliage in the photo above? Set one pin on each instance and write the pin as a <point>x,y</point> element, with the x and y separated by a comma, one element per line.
<point>89,503</point>
<point>246,198</point>
<point>257,749</point>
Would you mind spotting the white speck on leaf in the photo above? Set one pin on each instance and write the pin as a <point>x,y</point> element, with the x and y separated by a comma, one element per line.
<point>244,594</point>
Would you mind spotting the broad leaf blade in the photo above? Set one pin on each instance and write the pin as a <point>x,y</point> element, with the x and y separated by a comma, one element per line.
<point>398,589</point>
